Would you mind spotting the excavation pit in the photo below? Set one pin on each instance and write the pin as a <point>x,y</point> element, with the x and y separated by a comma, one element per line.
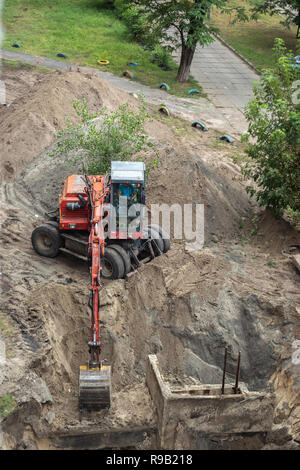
<point>103,439</point>
<point>204,418</point>
<point>185,306</point>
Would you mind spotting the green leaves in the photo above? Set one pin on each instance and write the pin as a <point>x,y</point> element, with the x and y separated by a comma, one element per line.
<point>289,10</point>
<point>109,135</point>
<point>180,23</point>
<point>273,137</point>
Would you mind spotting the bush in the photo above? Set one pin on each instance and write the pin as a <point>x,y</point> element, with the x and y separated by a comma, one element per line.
<point>162,57</point>
<point>103,137</point>
<point>134,21</point>
<point>105,4</point>
<point>274,128</point>
<point>137,23</point>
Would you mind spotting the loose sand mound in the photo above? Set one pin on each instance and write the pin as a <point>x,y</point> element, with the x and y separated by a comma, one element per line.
<point>19,79</point>
<point>32,121</point>
<point>184,306</point>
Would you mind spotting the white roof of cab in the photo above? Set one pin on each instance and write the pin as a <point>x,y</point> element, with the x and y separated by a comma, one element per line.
<point>127,171</point>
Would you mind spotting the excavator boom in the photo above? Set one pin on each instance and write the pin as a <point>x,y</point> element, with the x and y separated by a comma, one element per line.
<point>94,378</point>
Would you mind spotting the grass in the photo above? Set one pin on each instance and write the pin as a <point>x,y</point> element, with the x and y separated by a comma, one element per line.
<point>179,126</point>
<point>15,64</point>
<point>18,64</point>
<point>7,405</point>
<point>79,29</point>
<point>254,40</point>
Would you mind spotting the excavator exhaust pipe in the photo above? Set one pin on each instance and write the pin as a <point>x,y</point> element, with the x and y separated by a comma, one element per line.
<point>94,387</point>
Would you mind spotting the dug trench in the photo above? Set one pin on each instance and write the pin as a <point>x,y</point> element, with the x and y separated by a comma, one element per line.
<point>239,291</point>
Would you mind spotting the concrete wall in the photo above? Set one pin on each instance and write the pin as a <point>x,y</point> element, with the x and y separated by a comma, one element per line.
<point>187,419</point>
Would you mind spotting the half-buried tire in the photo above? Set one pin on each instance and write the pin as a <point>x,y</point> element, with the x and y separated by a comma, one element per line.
<point>163,235</point>
<point>46,240</point>
<point>125,257</point>
<point>112,264</point>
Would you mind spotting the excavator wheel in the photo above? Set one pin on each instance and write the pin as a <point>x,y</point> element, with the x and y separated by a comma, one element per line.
<point>46,240</point>
<point>112,264</point>
<point>125,257</point>
<point>163,235</point>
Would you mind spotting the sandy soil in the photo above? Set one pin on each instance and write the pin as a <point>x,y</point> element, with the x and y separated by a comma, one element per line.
<point>239,290</point>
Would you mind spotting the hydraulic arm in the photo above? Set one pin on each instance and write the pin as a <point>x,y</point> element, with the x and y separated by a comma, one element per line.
<point>94,379</point>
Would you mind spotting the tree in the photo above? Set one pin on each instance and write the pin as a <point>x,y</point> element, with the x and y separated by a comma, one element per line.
<point>183,23</point>
<point>290,9</point>
<point>274,128</point>
<point>105,136</point>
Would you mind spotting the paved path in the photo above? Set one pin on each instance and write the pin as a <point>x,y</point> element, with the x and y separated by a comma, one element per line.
<point>220,113</point>
<point>226,78</point>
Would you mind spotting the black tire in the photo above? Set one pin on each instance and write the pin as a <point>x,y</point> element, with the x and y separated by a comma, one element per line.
<point>125,257</point>
<point>46,240</point>
<point>157,242</point>
<point>164,236</point>
<point>112,264</point>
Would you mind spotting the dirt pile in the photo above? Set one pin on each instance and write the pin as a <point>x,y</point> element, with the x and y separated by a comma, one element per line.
<point>19,79</point>
<point>238,291</point>
<point>30,124</point>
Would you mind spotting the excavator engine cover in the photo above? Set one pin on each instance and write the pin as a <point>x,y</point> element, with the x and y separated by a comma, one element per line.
<point>94,387</point>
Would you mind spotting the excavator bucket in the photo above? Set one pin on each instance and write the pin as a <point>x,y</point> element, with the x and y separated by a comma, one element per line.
<point>94,388</point>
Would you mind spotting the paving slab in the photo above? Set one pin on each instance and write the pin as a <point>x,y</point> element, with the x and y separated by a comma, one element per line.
<point>218,69</point>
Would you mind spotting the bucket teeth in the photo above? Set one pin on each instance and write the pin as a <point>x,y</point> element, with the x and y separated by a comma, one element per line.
<point>94,388</point>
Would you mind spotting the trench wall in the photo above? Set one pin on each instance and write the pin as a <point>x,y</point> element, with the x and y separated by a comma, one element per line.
<point>188,418</point>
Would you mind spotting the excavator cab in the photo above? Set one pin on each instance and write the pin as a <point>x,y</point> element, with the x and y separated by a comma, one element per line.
<point>127,199</point>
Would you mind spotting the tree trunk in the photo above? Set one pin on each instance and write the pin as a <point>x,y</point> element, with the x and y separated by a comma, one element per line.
<point>187,55</point>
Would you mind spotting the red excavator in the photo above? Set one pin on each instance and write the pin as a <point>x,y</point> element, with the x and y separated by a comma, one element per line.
<point>100,220</point>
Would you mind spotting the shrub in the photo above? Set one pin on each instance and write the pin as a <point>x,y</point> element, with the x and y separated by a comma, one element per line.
<point>274,136</point>
<point>103,137</point>
<point>162,57</point>
<point>137,23</point>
